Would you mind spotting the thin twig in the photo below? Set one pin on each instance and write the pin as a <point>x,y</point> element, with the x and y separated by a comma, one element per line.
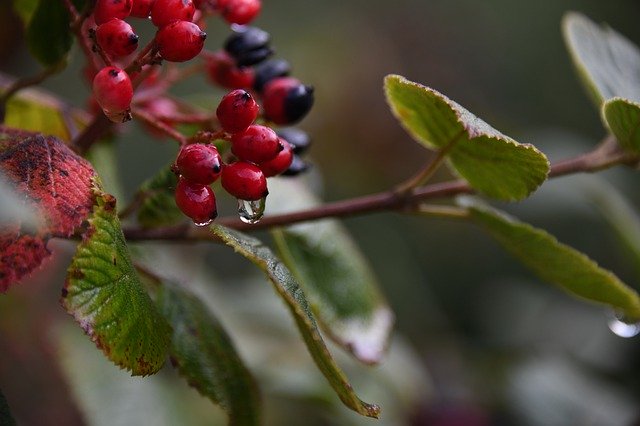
<point>22,83</point>
<point>149,119</point>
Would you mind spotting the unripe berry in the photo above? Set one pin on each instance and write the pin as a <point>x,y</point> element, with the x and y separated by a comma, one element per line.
<point>196,201</point>
<point>298,165</point>
<point>256,144</point>
<point>164,12</point>
<point>199,163</point>
<point>116,38</point>
<point>223,71</point>
<point>280,163</point>
<point>270,70</point>
<point>237,110</point>
<point>113,90</point>
<point>248,46</point>
<point>298,139</point>
<point>141,8</point>
<point>107,10</point>
<point>245,181</point>
<point>286,100</point>
<point>180,41</point>
<point>239,12</point>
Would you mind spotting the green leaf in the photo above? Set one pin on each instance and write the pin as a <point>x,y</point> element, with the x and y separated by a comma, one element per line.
<point>555,262</point>
<point>622,117</point>
<point>158,207</point>
<point>606,61</point>
<point>292,294</point>
<point>204,354</point>
<point>491,162</point>
<point>337,279</point>
<point>48,35</point>
<point>106,297</point>
<point>5,414</point>
<point>25,9</point>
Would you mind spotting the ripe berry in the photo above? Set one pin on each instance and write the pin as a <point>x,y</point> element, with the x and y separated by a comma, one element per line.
<point>141,8</point>
<point>113,90</point>
<point>237,110</point>
<point>239,12</point>
<point>106,10</point>
<point>164,12</point>
<point>298,165</point>
<point>286,100</point>
<point>223,71</point>
<point>180,41</point>
<point>298,139</point>
<point>199,163</point>
<point>196,201</point>
<point>116,38</point>
<point>245,181</point>
<point>280,163</point>
<point>270,70</point>
<point>256,144</point>
<point>248,46</point>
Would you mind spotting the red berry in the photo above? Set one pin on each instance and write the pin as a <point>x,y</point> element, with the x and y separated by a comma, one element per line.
<point>286,100</point>
<point>223,71</point>
<point>164,12</point>
<point>180,41</point>
<point>117,38</point>
<point>245,181</point>
<point>281,163</point>
<point>256,144</point>
<point>237,110</point>
<point>141,8</point>
<point>199,163</point>
<point>106,10</point>
<point>239,12</point>
<point>113,90</point>
<point>196,201</point>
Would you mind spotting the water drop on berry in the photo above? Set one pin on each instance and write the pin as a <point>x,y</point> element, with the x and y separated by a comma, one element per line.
<point>251,211</point>
<point>203,223</point>
<point>623,329</point>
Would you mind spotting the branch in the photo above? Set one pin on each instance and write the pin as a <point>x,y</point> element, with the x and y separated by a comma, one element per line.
<point>606,155</point>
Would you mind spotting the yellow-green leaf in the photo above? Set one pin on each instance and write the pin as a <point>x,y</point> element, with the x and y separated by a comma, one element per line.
<point>491,162</point>
<point>290,291</point>
<point>622,116</point>
<point>556,262</point>
<point>203,353</point>
<point>105,296</point>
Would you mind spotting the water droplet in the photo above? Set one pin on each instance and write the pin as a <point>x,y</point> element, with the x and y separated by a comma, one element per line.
<point>623,329</point>
<point>251,211</point>
<point>203,223</point>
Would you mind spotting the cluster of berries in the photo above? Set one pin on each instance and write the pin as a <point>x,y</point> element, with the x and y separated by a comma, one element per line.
<point>178,39</point>
<point>258,153</point>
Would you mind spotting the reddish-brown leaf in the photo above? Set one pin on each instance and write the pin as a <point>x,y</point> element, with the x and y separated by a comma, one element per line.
<point>55,184</point>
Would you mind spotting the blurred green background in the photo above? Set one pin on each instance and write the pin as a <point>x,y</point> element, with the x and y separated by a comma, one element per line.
<point>483,341</point>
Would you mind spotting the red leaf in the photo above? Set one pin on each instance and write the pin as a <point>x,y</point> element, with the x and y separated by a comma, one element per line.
<point>55,183</point>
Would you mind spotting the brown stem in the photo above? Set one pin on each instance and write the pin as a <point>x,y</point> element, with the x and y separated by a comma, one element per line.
<point>22,83</point>
<point>97,129</point>
<point>154,122</point>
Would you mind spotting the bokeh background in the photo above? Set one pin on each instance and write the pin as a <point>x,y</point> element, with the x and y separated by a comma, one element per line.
<point>480,341</point>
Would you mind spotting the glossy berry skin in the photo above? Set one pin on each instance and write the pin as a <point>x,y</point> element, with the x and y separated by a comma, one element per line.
<point>113,90</point>
<point>286,100</point>
<point>237,111</point>
<point>248,46</point>
<point>180,41</point>
<point>223,71</point>
<point>164,12</point>
<point>256,144</point>
<point>298,139</point>
<point>196,201</point>
<point>107,10</point>
<point>239,12</point>
<point>280,163</point>
<point>116,38</point>
<point>245,181</point>
<point>141,8</point>
<point>270,70</point>
<point>199,163</point>
<point>298,165</point>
